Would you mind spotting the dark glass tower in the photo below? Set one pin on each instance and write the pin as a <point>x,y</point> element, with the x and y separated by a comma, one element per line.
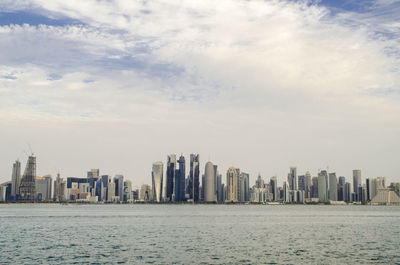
<point>180,180</point>
<point>194,174</point>
<point>171,167</point>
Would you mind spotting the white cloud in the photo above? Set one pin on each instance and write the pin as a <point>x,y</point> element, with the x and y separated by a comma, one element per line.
<point>259,84</point>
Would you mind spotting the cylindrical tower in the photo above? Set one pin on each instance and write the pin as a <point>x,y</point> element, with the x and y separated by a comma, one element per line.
<point>209,183</point>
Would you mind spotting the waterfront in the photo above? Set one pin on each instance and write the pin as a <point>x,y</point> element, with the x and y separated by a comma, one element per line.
<point>200,234</point>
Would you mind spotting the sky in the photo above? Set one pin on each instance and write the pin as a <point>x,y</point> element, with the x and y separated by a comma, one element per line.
<point>258,85</point>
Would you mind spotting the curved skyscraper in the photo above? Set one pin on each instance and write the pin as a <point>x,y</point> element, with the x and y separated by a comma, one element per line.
<point>209,183</point>
<point>232,185</point>
<point>157,178</point>
<point>27,188</point>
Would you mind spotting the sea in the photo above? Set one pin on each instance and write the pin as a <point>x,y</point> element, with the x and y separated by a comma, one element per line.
<point>198,234</point>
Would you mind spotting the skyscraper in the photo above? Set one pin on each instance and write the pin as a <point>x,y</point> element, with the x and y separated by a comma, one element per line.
<point>220,189</point>
<point>180,180</point>
<point>244,187</point>
<point>356,182</point>
<point>209,183</point>
<point>286,193</point>
<point>171,168</point>
<point>15,179</point>
<point>27,188</point>
<point>194,177</point>
<point>333,187</point>
<point>157,180</point>
<point>274,188</point>
<point>302,182</point>
<point>43,188</point>
<point>314,187</point>
<point>59,189</point>
<point>341,187</point>
<point>292,178</point>
<point>127,191</point>
<point>322,186</point>
<point>347,192</point>
<point>232,185</point>
<point>308,186</point>
<point>119,186</point>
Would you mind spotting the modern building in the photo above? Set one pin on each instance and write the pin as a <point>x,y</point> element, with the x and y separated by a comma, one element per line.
<point>127,196</point>
<point>301,182</point>
<point>307,190</point>
<point>171,171</point>
<point>314,187</point>
<point>341,188</point>
<point>43,188</point>
<point>292,178</point>
<point>119,186</point>
<point>27,188</point>
<point>145,193</point>
<point>59,189</point>
<point>220,189</point>
<point>194,177</point>
<point>333,193</point>
<point>232,185</point>
<point>274,188</point>
<point>157,180</point>
<point>111,191</point>
<point>286,192</point>
<point>322,186</point>
<point>209,183</point>
<point>244,187</point>
<point>357,183</point>
<point>180,180</point>
<point>15,179</point>
<point>386,197</point>
<point>348,191</point>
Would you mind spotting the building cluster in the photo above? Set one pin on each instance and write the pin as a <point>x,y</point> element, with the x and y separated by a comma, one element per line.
<point>175,185</point>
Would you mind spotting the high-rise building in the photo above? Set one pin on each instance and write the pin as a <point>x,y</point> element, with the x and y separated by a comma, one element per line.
<point>314,188</point>
<point>43,188</point>
<point>209,183</point>
<point>348,192</point>
<point>357,182</point>
<point>244,187</point>
<point>259,182</point>
<point>171,168</point>
<point>15,179</point>
<point>104,187</point>
<point>180,180</point>
<point>292,178</point>
<point>93,173</point>
<point>27,188</point>
<point>368,188</point>
<point>194,177</point>
<point>322,186</point>
<point>127,190</point>
<point>59,189</point>
<point>145,193</point>
<point>119,186</point>
<point>274,188</point>
<point>286,192</point>
<point>111,191</point>
<point>220,189</point>
<point>232,185</point>
<point>157,180</point>
<point>342,183</point>
<point>307,190</point>
<point>302,182</point>
<point>333,193</point>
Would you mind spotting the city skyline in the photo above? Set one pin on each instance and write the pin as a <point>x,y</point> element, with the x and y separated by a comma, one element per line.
<point>260,85</point>
<point>137,182</point>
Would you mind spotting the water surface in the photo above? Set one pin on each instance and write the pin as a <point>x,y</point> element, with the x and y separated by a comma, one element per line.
<point>198,234</point>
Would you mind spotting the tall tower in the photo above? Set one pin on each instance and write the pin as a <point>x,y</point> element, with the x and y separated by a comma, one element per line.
<point>209,183</point>
<point>356,182</point>
<point>292,178</point>
<point>27,189</point>
<point>232,185</point>
<point>119,186</point>
<point>171,168</point>
<point>15,179</point>
<point>333,192</point>
<point>322,186</point>
<point>157,181</point>
<point>180,174</point>
<point>194,175</point>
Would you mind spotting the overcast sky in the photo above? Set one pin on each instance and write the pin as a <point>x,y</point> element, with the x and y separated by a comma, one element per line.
<point>259,85</point>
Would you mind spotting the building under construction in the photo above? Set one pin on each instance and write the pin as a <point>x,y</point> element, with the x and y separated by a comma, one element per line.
<point>27,188</point>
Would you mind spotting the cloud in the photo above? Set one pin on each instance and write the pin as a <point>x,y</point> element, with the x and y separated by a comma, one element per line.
<point>290,82</point>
